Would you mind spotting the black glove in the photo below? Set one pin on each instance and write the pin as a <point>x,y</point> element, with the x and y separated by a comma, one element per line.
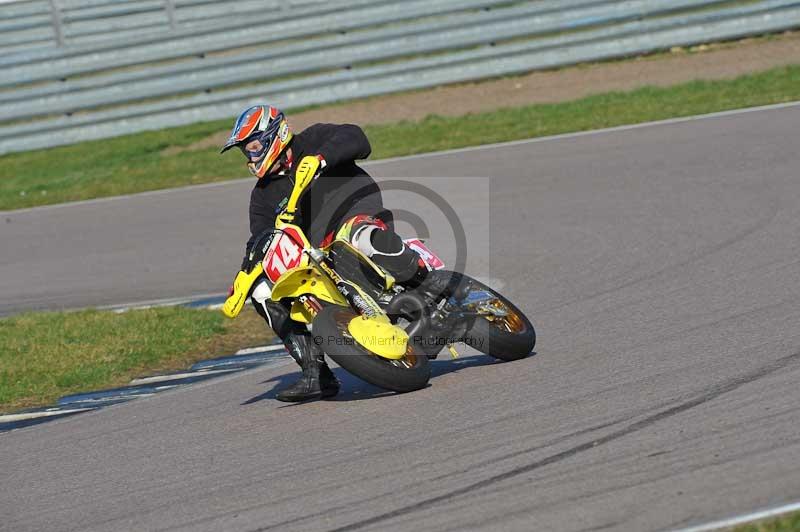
<point>257,251</point>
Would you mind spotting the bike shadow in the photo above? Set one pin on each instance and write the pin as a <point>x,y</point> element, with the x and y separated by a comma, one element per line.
<point>442,365</point>
<point>281,382</point>
<point>354,389</point>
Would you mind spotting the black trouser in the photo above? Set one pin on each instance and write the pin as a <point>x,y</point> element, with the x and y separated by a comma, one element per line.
<point>386,248</point>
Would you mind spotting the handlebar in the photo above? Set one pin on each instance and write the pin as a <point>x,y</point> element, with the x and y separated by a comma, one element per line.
<point>307,172</point>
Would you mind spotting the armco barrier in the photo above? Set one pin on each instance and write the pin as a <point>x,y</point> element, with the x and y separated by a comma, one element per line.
<point>52,23</point>
<point>364,50</point>
<point>283,61</point>
<point>225,36</point>
<point>230,31</point>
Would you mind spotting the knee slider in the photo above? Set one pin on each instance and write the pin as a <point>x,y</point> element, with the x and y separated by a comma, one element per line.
<point>387,242</point>
<point>276,314</point>
<point>362,239</point>
<point>388,250</point>
<point>261,293</point>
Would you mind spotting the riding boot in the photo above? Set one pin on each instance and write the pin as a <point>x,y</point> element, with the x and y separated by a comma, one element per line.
<point>317,380</point>
<point>328,383</point>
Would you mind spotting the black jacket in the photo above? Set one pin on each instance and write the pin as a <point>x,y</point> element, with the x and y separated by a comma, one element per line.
<point>342,191</point>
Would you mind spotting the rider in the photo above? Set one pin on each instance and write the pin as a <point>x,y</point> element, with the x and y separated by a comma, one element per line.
<point>345,196</point>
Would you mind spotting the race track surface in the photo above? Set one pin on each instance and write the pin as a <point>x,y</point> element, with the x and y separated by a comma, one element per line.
<point>661,266</point>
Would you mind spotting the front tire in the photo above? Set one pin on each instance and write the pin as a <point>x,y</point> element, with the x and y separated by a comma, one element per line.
<point>408,374</point>
<point>510,338</point>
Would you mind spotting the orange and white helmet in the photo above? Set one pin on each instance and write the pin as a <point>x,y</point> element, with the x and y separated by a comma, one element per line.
<point>267,125</point>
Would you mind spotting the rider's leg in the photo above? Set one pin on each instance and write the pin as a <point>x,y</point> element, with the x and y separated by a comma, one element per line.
<point>317,380</point>
<point>385,247</point>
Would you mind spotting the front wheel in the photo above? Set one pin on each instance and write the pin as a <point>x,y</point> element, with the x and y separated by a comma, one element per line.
<point>407,374</point>
<point>510,337</point>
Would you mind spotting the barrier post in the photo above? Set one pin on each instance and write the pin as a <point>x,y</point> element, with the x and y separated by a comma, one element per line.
<point>58,22</point>
<point>169,5</point>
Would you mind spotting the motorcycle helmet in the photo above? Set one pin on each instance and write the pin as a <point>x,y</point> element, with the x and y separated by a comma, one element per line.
<point>266,124</point>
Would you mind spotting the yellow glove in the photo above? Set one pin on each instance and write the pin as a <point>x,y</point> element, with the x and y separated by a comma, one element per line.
<point>240,289</point>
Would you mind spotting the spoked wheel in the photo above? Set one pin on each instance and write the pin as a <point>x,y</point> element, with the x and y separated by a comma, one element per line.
<point>409,373</point>
<point>508,334</point>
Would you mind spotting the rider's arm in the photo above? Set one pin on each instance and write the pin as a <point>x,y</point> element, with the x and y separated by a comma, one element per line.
<point>262,212</point>
<point>342,143</point>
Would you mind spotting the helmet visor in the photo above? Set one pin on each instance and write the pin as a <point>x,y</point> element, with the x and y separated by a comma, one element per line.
<point>255,154</point>
<point>262,149</point>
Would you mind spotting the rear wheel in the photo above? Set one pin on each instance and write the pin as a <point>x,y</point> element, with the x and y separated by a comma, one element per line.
<point>407,374</point>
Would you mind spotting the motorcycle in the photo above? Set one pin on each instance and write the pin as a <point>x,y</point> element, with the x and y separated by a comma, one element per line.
<point>367,323</point>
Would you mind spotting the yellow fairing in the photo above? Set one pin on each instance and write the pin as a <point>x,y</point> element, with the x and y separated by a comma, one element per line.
<point>306,280</point>
<point>300,313</point>
<point>379,336</point>
<point>388,280</point>
<point>241,287</point>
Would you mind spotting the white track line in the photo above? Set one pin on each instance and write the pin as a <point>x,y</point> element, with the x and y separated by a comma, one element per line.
<point>732,112</point>
<point>146,193</point>
<point>261,349</point>
<point>576,134</point>
<point>152,303</point>
<point>176,376</point>
<point>34,415</point>
<point>746,518</point>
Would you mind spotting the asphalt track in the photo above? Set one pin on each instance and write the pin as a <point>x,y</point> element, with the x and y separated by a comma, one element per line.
<point>660,265</point>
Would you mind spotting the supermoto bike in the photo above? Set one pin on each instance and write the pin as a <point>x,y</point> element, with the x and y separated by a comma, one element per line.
<point>371,326</point>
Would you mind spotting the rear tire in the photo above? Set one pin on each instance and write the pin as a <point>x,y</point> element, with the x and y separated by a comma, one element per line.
<point>408,374</point>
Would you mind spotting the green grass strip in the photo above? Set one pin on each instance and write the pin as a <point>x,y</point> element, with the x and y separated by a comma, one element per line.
<point>46,355</point>
<point>788,523</point>
<point>138,162</point>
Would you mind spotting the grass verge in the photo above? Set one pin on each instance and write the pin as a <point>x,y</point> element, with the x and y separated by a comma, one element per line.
<point>49,354</point>
<point>788,523</point>
<point>136,163</point>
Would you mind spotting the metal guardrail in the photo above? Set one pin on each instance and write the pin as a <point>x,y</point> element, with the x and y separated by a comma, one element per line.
<point>323,54</point>
<point>131,20</point>
<point>469,43</point>
<point>258,60</point>
<point>60,24</point>
<point>226,34</point>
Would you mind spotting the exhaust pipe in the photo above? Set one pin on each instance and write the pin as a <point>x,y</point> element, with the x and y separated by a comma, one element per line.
<point>410,304</point>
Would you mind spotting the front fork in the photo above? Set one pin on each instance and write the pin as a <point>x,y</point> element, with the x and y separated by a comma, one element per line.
<point>450,319</point>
